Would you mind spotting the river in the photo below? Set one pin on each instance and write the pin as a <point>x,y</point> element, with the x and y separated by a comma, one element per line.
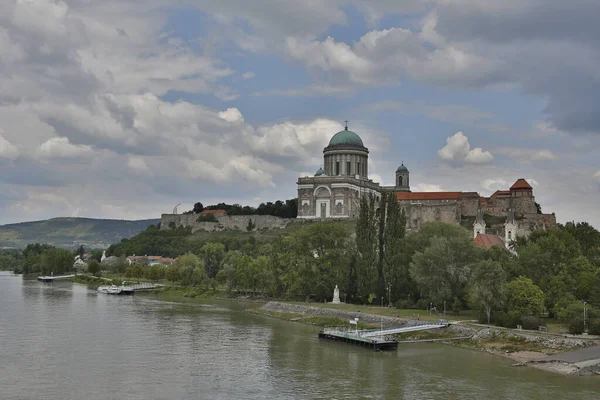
<point>63,341</point>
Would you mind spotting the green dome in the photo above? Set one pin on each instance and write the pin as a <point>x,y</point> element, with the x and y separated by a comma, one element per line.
<point>347,138</point>
<point>402,168</point>
<point>320,172</point>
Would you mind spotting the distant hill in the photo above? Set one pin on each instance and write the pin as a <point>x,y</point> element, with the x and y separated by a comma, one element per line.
<point>71,232</point>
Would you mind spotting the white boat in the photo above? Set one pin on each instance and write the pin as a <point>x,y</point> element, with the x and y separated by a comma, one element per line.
<point>103,289</point>
<point>113,289</point>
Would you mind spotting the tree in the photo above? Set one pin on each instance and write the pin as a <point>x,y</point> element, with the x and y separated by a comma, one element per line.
<point>81,252</point>
<point>442,270</point>
<point>212,255</point>
<point>380,230</point>
<point>488,286</point>
<point>198,208</point>
<point>191,270</point>
<point>93,267</point>
<point>524,297</point>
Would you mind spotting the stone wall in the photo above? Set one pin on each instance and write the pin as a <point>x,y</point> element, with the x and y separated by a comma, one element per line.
<point>224,222</point>
<point>416,214</point>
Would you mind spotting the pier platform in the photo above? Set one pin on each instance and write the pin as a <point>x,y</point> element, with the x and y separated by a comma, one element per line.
<point>358,340</point>
<point>52,278</point>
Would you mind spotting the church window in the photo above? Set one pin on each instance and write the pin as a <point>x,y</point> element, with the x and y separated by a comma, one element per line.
<point>348,172</point>
<point>358,168</point>
<point>399,181</point>
<point>337,167</point>
<point>509,235</point>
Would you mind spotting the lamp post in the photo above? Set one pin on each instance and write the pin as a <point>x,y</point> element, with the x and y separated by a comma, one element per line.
<point>444,308</point>
<point>584,314</point>
<point>389,294</point>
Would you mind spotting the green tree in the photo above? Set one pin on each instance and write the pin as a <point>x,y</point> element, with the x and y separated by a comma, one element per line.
<point>198,208</point>
<point>524,297</point>
<point>212,255</point>
<point>443,269</point>
<point>380,231</point>
<point>191,270</point>
<point>488,286</point>
<point>93,267</point>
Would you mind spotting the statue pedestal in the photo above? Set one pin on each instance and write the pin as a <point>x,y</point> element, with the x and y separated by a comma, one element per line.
<point>336,296</point>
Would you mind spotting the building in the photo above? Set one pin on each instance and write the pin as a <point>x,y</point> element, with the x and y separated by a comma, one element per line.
<point>336,189</point>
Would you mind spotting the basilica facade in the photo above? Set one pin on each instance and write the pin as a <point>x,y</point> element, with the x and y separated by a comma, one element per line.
<point>336,188</point>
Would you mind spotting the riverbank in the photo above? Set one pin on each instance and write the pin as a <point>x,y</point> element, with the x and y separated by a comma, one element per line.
<point>526,348</point>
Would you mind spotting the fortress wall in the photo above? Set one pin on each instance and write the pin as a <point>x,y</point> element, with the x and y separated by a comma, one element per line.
<point>416,214</point>
<point>469,207</point>
<point>224,222</point>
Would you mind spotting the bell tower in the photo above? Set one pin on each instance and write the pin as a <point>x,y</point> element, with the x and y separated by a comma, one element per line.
<point>402,179</point>
<point>479,224</point>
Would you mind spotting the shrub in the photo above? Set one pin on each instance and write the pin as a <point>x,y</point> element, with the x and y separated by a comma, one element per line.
<point>530,322</point>
<point>594,327</point>
<point>575,326</point>
<point>402,304</point>
<point>422,304</point>
<point>498,318</point>
<point>206,218</point>
<point>512,319</point>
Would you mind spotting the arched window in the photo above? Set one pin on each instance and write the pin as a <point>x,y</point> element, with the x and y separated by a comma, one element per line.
<point>399,181</point>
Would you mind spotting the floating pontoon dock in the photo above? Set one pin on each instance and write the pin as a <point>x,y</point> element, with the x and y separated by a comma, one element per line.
<point>358,340</point>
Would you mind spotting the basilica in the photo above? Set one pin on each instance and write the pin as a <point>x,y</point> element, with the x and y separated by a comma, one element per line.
<point>336,189</point>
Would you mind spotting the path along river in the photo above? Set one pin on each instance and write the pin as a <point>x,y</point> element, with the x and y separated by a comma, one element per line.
<point>63,341</point>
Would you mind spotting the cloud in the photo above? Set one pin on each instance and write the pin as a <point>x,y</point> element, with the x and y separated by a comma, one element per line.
<point>528,155</point>
<point>137,164</point>
<point>493,184</point>
<point>458,149</point>
<point>231,115</point>
<point>427,187</point>
<point>7,149</point>
<point>60,147</point>
<point>248,75</point>
<point>597,176</point>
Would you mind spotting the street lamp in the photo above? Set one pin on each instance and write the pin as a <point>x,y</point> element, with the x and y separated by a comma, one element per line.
<point>584,314</point>
<point>389,294</point>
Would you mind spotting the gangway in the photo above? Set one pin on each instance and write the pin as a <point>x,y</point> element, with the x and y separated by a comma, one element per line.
<point>402,329</point>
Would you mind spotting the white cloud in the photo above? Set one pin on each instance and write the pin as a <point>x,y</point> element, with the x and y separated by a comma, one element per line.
<point>248,75</point>
<point>493,184</point>
<point>60,147</point>
<point>528,155</point>
<point>231,115</point>
<point>597,176</point>
<point>137,164</point>
<point>458,149</point>
<point>427,187</point>
<point>7,149</point>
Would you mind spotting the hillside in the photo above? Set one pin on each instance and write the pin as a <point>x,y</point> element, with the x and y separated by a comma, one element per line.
<point>71,232</point>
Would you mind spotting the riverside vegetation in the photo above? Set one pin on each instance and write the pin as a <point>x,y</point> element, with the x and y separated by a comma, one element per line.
<point>374,260</point>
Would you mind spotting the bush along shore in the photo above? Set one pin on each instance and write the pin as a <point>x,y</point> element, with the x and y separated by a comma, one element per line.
<point>524,347</point>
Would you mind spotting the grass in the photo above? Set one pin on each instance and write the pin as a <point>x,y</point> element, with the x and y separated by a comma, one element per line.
<point>392,312</point>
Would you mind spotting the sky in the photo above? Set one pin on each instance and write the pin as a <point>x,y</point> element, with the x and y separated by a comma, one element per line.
<point>125,108</point>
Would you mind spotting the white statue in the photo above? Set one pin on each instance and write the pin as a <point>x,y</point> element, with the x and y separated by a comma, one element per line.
<point>336,295</point>
<point>103,256</point>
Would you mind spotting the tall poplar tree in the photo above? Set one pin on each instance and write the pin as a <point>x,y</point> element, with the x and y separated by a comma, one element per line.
<point>380,231</point>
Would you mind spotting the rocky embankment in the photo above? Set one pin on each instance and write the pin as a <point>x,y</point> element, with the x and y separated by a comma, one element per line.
<point>526,347</point>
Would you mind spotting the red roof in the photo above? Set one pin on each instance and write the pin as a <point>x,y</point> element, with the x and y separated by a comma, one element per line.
<point>521,184</point>
<point>501,193</point>
<point>217,212</point>
<point>428,195</point>
<point>488,241</point>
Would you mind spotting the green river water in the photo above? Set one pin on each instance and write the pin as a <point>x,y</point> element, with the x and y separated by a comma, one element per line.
<point>63,341</point>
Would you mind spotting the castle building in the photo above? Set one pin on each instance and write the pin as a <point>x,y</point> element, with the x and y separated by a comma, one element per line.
<point>336,189</point>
